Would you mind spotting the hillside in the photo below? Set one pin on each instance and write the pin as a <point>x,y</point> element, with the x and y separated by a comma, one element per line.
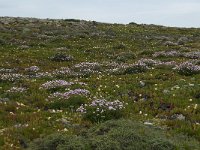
<point>61,78</point>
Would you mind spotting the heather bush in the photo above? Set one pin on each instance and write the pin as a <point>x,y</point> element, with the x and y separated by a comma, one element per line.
<point>192,55</point>
<point>187,68</point>
<point>11,77</point>
<point>172,53</point>
<point>69,93</point>
<point>55,84</point>
<point>87,68</point>
<point>33,69</point>
<point>182,40</point>
<point>149,62</point>
<point>136,68</point>
<point>101,110</point>
<point>170,43</point>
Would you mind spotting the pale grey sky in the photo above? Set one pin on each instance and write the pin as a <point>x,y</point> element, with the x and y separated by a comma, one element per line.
<point>182,13</point>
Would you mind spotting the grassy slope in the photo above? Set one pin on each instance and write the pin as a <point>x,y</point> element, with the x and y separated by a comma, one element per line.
<point>31,42</point>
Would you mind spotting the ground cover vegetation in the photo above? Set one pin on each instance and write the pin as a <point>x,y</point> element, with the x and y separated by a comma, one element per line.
<point>74,84</point>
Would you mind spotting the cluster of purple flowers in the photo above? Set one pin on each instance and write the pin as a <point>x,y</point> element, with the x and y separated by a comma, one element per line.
<point>100,106</point>
<point>6,70</point>
<point>192,55</point>
<point>169,63</point>
<point>17,90</point>
<point>66,95</point>
<point>167,54</point>
<point>56,84</point>
<point>10,76</point>
<point>88,67</point>
<point>188,68</point>
<point>33,69</point>
<point>43,74</point>
<point>62,71</point>
<point>140,65</point>
<point>149,62</point>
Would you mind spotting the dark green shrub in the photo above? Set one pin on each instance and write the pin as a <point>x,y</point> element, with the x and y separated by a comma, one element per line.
<point>120,46</point>
<point>2,42</point>
<point>136,68</point>
<point>59,142</point>
<point>61,57</point>
<point>147,52</point>
<point>72,20</point>
<point>182,40</point>
<point>125,56</point>
<point>106,115</point>
<point>73,103</point>
<point>116,135</point>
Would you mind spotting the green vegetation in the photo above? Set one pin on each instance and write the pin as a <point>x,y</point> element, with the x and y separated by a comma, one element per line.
<point>80,84</point>
<point>119,135</point>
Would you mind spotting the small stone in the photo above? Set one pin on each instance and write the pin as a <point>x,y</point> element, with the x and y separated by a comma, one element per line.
<point>148,123</point>
<point>142,84</point>
<point>177,117</point>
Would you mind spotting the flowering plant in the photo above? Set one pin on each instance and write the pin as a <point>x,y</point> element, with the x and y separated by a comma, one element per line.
<point>188,68</point>
<point>100,110</point>
<point>55,84</point>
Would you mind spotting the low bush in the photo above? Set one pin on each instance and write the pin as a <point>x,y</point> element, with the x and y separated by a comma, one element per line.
<point>72,103</point>
<point>136,68</point>
<point>100,110</point>
<point>116,135</point>
<point>187,68</point>
<point>125,56</point>
<point>61,57</point>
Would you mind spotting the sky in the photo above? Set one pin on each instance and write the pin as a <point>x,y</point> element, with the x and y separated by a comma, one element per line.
<point>179,13</point>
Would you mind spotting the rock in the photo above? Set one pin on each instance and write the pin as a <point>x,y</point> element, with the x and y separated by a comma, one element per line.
<point>65,121</point>
<point>148,123</point>
<point>142,84</point>
<point>177,117</point>
<point>166,106</point>
<point>166,91</point>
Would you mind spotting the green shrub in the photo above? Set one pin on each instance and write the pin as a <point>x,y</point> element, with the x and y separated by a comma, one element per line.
<point>136,68</point>
<point>2,41</point>
<point>73,103</point>
<point>120,46</point>
<point>59,142</point>
<point>116,135</point>
<point>61,57</point>
<point>147,52</point>
<point>125,56</point>
<point>100,110</point>
<point>188,69</point>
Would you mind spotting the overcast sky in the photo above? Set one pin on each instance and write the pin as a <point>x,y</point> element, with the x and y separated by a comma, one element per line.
<point>182,13</point>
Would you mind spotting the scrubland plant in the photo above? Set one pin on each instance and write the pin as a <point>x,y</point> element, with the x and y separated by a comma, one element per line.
<point>100,110</point>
